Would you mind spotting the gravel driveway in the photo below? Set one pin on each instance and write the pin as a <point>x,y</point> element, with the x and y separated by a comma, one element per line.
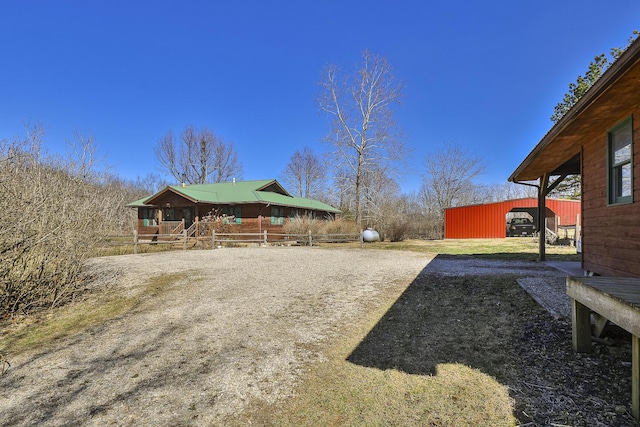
<point>241,327</point>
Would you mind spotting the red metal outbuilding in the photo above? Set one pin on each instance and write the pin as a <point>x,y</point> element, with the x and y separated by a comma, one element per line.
<point>488,221</point>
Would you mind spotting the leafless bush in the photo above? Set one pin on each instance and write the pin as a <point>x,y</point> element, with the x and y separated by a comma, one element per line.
<point>396,230</point>
<point>341,226</point>
<point>53,212</point>
<point>302,225</point>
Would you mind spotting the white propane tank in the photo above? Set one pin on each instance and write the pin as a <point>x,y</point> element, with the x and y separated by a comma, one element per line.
<point>370,235</point>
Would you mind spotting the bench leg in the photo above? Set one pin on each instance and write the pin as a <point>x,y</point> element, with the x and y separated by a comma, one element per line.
<point>601,324</point>
<point>581,327</point>
<point>635,376</point>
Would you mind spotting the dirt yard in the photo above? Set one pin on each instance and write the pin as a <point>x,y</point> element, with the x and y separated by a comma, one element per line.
<point>242,326</point>
<point>238,326</point>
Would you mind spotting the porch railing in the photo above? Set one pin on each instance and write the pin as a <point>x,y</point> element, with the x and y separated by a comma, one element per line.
<point>171,227</point>
<point>191,230</point>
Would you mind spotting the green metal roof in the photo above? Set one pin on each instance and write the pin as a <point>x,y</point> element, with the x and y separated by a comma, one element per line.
<point>239,192</point>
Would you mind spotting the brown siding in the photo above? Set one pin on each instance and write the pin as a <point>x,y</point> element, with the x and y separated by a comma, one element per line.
<point>145,231</point>
<point>256,218</point>
<point>610,234</point>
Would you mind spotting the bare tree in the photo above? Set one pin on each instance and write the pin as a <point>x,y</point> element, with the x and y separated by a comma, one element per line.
<point>504,191</point>
<point>363,131</point>
<point>306,174</point>
<point>379,190</point>
<point>448,181</point>
<point>198,157</point>
<point>151,183</point>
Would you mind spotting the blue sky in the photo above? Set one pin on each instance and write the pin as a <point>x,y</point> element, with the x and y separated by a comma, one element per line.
<point>483,74</point>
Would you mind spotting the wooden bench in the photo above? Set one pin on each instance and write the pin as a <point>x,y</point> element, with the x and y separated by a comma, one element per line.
<point>616,299</point>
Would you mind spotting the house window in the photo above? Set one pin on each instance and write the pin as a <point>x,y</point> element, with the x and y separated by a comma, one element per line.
<point>277,215</point>
<point>237,212</point>
<point>233,214</point>
<point>150,216</point>
<point>620,163</point>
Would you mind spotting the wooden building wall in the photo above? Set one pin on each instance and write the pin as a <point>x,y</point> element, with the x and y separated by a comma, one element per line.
<point>255,218</point>
<point>610,233</point>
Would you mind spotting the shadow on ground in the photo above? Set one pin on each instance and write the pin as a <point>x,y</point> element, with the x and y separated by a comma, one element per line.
<point>489,323</point>
<point>446,318</point>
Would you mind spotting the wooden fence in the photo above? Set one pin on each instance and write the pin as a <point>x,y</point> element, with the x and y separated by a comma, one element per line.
<point>219,240</point>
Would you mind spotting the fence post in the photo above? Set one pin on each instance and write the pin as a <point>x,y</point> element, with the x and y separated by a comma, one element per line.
<point>361,239</point>
<point>310,239</point>
<point>184,244</point>
<point>265,238</point>
<point>135,242</point>
<point>213,239</point>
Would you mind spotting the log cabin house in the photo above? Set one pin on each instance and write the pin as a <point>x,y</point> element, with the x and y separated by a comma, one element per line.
<point>596,139</point>
<point>237,207</point>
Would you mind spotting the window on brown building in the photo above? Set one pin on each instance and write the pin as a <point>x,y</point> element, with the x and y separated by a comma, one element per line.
<point>620,163</point>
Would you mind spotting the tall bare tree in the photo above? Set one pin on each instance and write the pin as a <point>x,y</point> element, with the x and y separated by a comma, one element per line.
<point>449,178</point>
<point>363,131</point>
<point>306,174</point>
<point>198,157</point>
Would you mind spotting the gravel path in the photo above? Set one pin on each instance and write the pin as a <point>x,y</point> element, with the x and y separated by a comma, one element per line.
<point>241,327</point>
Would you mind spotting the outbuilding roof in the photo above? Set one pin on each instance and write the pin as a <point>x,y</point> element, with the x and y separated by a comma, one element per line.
<point>238,192</point>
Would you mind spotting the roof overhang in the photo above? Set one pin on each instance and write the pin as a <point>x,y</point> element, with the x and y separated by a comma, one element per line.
<point>608,101</point>
<point>275,185</point>
<point>153,199</point>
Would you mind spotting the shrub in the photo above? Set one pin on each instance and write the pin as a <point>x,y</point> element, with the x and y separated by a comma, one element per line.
<point>396,230</point>
<point>302,225</point>
<point>340,226</point>
<point>54,212</point>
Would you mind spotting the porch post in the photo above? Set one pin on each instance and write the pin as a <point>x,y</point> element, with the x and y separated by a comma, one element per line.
<point>542,209</point>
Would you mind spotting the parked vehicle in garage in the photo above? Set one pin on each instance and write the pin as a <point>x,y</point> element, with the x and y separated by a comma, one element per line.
<point>517,227</point>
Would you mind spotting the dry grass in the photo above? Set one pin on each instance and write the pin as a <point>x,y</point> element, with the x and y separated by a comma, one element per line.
<point>39,331</point>
<point>516,248</point>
